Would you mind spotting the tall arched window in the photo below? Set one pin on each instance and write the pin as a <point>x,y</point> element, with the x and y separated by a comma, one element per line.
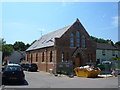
<point>67,56</point>
<point>50,56</point>
<point>63,56</point>
<point>77,39</point>
<point>36,57</point>
<point>43,57</point>
<point>83,41</point>
<point>71,40</point>
<point>31,58</point>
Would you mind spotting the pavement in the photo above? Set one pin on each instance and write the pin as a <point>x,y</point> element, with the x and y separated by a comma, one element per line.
<point>47,80</point>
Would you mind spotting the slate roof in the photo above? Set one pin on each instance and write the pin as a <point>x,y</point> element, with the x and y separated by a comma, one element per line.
<point>106,46</point>
<point>17,56</point>
<point>48,39</point>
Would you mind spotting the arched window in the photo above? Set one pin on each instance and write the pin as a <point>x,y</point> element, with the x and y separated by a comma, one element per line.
<point>50,56</point>
<point>83,41</point>
<point>63,56</point>
<point>77,39</point>
<point>43,57</point>
<point>71,40</point>
<point>36,57</point>
<point>31,58</point>
<point>67,58</point>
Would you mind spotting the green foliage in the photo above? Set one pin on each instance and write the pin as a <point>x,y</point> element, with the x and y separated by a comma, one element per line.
<point>114,58</point>
<point>99,40</point>
<point>19,46</point>
<point>63,72</point>
<point>27,45</point>
<point>7,50</point>
<point>118,43</point>
<point>101,66</point>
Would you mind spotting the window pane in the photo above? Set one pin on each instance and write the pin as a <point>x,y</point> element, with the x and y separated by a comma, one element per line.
<point>83,41</point>
<point>78,45</point>
<point>71,35</point>
<point>77,34</point>
<point>71,44</point>
<point>78,40</point>
<point>71,40</point>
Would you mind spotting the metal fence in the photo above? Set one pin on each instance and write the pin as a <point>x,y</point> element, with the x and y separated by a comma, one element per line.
<point>65,67</point>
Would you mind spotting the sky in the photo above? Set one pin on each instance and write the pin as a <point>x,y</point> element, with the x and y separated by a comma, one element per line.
<point>28,21</point>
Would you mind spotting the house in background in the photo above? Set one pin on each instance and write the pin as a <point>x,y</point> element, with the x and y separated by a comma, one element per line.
<point>69,44</point>
<point>105,51</point>
<point>16,57</point>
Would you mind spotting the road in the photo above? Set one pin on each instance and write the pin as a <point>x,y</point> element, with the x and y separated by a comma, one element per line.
<point>46,80</point>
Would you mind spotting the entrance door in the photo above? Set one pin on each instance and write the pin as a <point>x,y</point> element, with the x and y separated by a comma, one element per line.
<point>77,60</point>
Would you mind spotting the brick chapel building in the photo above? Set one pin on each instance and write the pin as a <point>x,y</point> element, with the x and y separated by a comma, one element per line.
<point>71,43</point>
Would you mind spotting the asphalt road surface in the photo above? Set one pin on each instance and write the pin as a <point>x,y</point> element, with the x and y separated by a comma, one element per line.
<point>46,80</point>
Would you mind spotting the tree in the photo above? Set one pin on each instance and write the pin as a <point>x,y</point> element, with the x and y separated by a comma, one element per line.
<point>99,40</point>
<point>19,46</point>
<point>117,43</point>
<point>27,46</point>
<point>7,49</point>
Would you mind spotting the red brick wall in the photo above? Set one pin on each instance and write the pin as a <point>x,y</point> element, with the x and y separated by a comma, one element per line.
<point>42,66</point>
<point>63,45</point>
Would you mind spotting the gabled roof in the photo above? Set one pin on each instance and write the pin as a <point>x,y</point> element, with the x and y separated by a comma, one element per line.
<point>106,46</point>
<point>48,39</point>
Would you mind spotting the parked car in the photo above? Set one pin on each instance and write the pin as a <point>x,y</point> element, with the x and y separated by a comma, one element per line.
<point>30,67</point>
<point>13,73</point>
<point>22,65</point>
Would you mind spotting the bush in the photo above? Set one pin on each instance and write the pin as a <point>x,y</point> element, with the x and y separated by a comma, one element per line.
<point>101,66</point>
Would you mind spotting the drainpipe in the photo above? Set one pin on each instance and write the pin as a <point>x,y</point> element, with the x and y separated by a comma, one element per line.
<point>46,60</point>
